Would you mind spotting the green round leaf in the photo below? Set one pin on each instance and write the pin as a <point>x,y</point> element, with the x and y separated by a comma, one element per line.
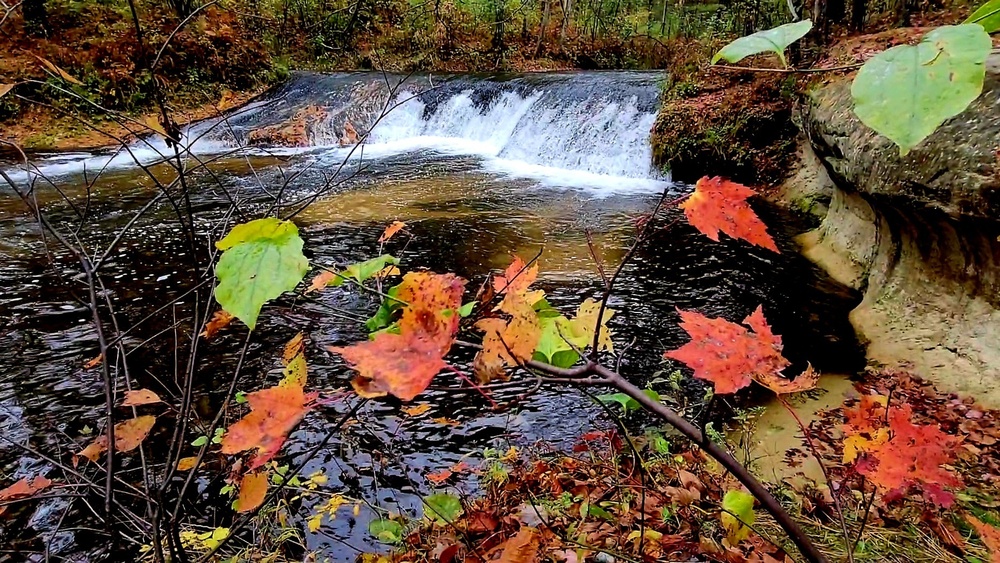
<point>388,531</point>
<point>774,40</point>
<point>906,92</point>
<point>443,507</point>
<point>261,260</point>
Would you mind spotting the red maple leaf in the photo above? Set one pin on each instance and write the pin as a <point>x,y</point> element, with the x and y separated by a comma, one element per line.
<point>720,205</point>
<point>898,455</point>
<point>24,488</point>
<point>989,535</point>
<point>729,355</point>
<point>404,364</point>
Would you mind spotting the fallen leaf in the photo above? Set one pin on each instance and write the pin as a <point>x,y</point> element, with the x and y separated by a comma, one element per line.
<point>219,321</point>
<point>94,362</point>
<point>131,433</point>
<point>58,71</point>
<point>321,280</point>
<point>989,535</point>
<point>26,487</point>
<point>439,477</point>
<point>139,397</point>
<point>5,88</point>
<point>522,548</point>
<point>417,410</point>
<point>253,490</point>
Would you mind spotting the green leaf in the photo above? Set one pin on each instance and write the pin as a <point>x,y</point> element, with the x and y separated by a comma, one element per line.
<point>387,531</point>
<point>774,40</point>
<point>443,507</point>
<point>988,16</point>
<point>364,271</point>
<point>466,310</point>
<point>383,317</point>
<point>200,441</point>
<point>738,515</point>
<point>907,91</point>
<point>628,403</point>
<point>261,260</point>
<point>553,347</point>
<point>598,512</point>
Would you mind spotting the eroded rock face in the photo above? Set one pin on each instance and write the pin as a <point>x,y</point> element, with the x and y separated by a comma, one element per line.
<point>918,235</point>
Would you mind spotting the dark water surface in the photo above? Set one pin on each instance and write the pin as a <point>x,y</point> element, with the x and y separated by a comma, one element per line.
<point>467,211</point>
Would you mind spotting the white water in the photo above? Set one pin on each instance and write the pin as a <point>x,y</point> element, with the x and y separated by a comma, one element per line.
<point>599,143</point>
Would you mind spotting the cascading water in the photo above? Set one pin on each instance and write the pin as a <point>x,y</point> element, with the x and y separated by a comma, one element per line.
<point>565,129</point>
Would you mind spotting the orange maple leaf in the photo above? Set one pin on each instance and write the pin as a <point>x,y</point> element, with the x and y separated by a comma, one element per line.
<point>253,491</point>
<point>404,364</point>
<point>989,535</point>
<point>220,320</point>
<point>720,205</point>
<point>517,277</point>
<point>128,436</point>
<point>26,487</point>
<point>729,355</point>
<point>391,230</point>
<point>898,454</point>
<point>510,342</point>
<point>274,413</point>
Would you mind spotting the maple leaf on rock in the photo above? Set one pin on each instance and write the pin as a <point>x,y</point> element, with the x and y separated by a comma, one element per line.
<point>404,364</point>
<point>728,355</point>
<point>720,205</point>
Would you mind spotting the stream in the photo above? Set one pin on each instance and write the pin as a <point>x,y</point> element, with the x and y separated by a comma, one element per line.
<point>479,168</point>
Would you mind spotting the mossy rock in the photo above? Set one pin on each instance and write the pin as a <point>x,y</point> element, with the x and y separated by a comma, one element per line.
<point>740,128</point>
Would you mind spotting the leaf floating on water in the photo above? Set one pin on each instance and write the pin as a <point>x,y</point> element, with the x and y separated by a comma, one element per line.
<point>93,363</point>
<point>720,205</point>
<point>26,487</point>
<point>391,230</point>
<point>139,397</point>
<point>219,321</point>
<point>253,491</point>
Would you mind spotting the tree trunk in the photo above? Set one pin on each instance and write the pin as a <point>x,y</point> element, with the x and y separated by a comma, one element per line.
<point>546,13</point>
<point>567,6</point>
<point>859,9</point>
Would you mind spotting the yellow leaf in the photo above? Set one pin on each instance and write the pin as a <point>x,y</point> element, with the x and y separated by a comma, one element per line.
<point>314,522</point>
<point>417,410</point>
<point>446,421</point>
<point>186,463</point>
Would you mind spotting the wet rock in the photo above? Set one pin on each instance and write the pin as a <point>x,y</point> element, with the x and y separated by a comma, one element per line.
<point>918,235</point>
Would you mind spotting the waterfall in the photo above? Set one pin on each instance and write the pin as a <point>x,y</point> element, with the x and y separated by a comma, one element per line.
<point>561,128</point>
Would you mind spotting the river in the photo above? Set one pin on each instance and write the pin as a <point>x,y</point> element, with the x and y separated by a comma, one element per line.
<point>479,167</point>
